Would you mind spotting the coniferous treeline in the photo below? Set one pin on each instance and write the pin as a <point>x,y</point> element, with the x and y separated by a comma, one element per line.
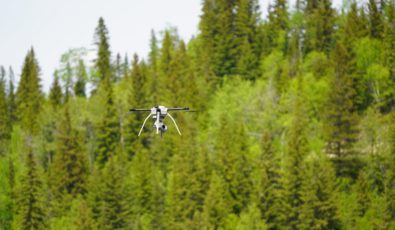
<point>295,128</point>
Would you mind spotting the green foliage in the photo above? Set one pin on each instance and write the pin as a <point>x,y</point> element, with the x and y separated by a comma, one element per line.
<point>55,94</point>
<point>4,115</point>
<point>31,211</point>
<point>102,63</point>
<point>294,129</point>
<point>108,138</point>
<point>341,118</point>
<point>29,96</point>
<point>69,172</point>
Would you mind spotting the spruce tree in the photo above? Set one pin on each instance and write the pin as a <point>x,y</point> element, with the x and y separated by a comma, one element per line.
<point>218,36</point>
<point>143,186</point>
<point>389,37</point>
<point>4,117</point>
<point>125,66</point>
<point>246,38</point>
<point>184,196</point>
<point>153,63</point>
<point>341,119</point>
<point>69,169</point>
<point>31,212</point>
<point>118,67</point>
<point>320,19</point>
<point>268,166</point>
<point>114,211</point>
<point>278,24</point>
<point>216,206</point>
<point>11,97</point>
<point>29,96</point>
<point>319,210</point>
<point>82,76</point>
<point>137,97</point>
<point>108,129</point>
<point>292,174</point>
<point>55,93</point>
<point>103,60</point>
<point>232,163</point>
<point>389,192</point>
<point>375,20</point>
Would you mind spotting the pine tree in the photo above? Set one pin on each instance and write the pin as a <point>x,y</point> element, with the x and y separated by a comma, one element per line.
<point>292,174</point>
<point>82,76</point>
<point>114,212</point>
<point>125,66</point>
<point>341,117</point>
<point>278,25</point>
<point>31,213</point>
<point>320,19</point>
<point>269,190</point>
<point>67,78</point>
<point>389,192</point>
<point>375,20</point>
<point>84,219</point>
<point>29,95</point>
<point>118,67</point>
<point>318,210</point>
<point>166,55</point>
<point>108,137</point>
<point>137,97</point>
<point>4,118</point>
<point>70,164</point>
<point>216,206</point>
<point>184,197</point>
<point>389,37</point>
<point>11,98</point>
<point>55,93</point>
<point>355,26</point>
<point>218,36</point>
<point>103,61</point>
<point>153,63</point>
<point>143,187</point>
<point>246,37</point>
<point>232,162</point>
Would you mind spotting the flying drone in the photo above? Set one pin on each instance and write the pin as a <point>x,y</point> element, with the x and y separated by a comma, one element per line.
<point>158,113</point>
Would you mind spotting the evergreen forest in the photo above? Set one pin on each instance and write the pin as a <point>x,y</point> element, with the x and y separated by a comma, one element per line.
<point>294,129</point>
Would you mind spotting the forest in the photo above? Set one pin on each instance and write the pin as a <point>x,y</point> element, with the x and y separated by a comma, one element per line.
<point>294,129</point>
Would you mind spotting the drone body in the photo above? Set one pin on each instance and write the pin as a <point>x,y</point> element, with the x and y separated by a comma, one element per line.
<point>158,113</point>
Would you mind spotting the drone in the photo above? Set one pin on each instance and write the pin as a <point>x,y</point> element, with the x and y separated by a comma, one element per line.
<point>158,113</point>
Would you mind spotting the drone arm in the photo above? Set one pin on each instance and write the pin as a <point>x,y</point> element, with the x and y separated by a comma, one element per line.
<point>174,121</point>
<point>178,109</point>
<point>139,110</point>
<point>142,127</point>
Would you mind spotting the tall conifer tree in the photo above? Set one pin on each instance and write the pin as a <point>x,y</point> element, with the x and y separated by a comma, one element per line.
<point>11,97</point>
<point>29,96</point>
<point>82,76</point>
<point>341,117</point>
<point>70,164</point>
<point>31,212</point>
<point>55,93</point>
<point>4,117</point>
<point>114,209</point>
<point>292,174</point>
<point>103,60</point>
<point>108,137</point>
